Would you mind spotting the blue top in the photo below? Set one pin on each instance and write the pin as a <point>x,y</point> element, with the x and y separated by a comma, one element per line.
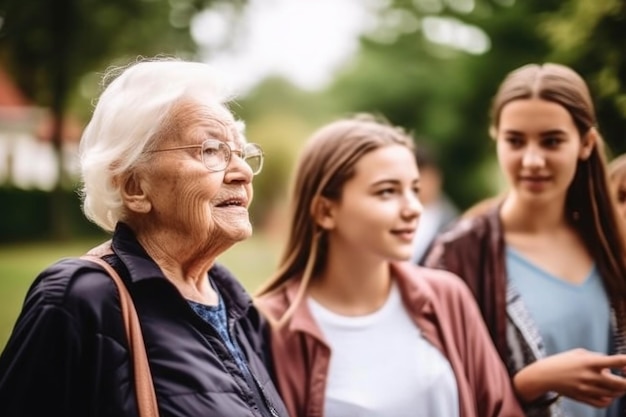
<point>567,315</point>
<point>216,317</point>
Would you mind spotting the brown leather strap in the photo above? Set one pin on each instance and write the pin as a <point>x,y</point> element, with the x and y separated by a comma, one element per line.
<point>144,387</point>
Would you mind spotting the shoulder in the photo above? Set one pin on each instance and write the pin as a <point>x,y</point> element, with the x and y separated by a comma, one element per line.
<point>437,285</point>
<point>466,236</point>
<point>71,284</point>
<point>64,279</point>
<point>446,292</point>
<point>468,229</point>
<point>441,282</point>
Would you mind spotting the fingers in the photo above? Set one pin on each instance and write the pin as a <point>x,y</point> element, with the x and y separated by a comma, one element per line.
<point>587,377</point>
<point>601,402</point>
<point>613,384</point>
<point>609,361</point>
<point>601,389</point>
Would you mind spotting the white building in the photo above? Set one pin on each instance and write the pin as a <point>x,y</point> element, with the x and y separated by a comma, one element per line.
<point>27,156</point>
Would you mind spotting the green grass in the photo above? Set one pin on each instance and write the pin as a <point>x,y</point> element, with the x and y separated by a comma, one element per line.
<point>252,261</point>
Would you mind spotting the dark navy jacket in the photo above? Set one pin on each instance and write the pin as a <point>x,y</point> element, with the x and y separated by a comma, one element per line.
<point>68,357</point>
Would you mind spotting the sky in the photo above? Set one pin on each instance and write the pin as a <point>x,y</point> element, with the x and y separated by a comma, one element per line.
<point>303,40</point>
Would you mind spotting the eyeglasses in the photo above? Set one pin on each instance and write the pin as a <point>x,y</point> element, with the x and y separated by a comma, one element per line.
<point>216,154</point>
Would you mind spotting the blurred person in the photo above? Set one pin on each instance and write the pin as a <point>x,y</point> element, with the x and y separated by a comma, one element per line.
<point>356,328</point>
<point>438,211</point>
<point>167,170</point>
<point>617,175</point>
<point>480,207</point>
<point>547,262</point>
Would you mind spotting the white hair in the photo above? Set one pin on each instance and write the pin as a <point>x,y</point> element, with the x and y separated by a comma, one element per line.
<point>129,114</point>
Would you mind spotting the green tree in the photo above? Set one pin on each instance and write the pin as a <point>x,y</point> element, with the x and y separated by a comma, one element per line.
<point>279,116</point>
<point>589,36</point>
<point>442,91</point>
<point>49,46</point>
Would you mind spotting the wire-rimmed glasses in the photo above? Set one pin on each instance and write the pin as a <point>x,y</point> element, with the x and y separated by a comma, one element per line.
<point>216,154</point>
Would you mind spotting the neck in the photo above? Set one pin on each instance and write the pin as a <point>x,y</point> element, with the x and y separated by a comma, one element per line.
<point>183,262</point>
<point>520,216</point>
<point>351,284</point>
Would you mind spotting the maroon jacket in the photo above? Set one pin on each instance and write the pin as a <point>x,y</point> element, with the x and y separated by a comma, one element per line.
<point>443,309</point>
<point>474,250</point>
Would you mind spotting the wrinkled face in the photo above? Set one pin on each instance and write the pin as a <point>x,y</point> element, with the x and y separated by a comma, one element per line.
<point>379,208</point>
<point>538,149</point>
<point>185,196</point>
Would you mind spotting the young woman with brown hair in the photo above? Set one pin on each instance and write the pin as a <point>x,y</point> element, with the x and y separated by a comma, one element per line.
<point>547,264</point>
<point>357,329</point>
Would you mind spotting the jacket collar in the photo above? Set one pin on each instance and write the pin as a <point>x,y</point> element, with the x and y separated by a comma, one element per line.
<point>142,267</point>
<point>302,319</point>
<point>416,295</point>
<point>138,263</point>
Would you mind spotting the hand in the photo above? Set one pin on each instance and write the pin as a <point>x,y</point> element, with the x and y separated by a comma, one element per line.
<point>578,374</point>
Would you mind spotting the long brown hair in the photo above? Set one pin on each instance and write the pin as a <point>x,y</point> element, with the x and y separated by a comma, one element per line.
<point>589,203</point>
<point>327,161</point>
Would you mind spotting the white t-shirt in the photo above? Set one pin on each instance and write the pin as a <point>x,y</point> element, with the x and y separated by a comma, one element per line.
<point>381,365</point>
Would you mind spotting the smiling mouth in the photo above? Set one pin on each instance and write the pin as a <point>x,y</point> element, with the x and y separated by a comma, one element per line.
<point>535,179</point>
<point>232,202</point>
<point>404,233</point>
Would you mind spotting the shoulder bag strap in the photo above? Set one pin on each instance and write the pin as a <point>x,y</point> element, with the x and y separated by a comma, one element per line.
<point>144,388</point>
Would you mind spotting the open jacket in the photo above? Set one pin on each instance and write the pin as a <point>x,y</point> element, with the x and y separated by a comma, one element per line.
<point>68,354</point>
<point>442,308</point>
<point>474,249</point>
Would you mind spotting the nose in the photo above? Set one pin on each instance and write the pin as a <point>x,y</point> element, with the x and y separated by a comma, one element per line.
<point>238,170</point>
<point>413,206</point>
<point>533,158</point>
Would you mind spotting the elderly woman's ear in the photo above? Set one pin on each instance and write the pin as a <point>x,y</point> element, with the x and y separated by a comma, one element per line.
<point>133,194</point>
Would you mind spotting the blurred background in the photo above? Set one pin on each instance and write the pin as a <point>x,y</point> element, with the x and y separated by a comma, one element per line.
<point>430,66</point>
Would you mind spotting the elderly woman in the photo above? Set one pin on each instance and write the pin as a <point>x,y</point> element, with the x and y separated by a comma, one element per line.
<point>167,170</point>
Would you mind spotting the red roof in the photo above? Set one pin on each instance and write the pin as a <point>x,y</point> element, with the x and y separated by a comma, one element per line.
<point>10,95</point>
<point>17,109</point>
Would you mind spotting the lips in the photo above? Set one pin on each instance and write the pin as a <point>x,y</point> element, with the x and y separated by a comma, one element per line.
<point>404,230</point>
<point>535,183</point>
<point>535,179</point>
<point>233,202</point>
<point>405,233</point>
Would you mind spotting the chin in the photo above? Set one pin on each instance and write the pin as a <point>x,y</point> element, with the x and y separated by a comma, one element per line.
<point>242,234</point>
<point>538,198</point>
<point>400,257</point>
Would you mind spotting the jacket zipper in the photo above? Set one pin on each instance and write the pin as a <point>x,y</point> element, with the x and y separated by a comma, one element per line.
<point>269,404</point>
<point>229,328</point>
<point>255,393</point>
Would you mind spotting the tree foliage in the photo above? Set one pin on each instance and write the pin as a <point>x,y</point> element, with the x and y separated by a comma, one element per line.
<point>443,92</point>
<point>589,36</point>
<point>48,46</point>
<point>436,86</point>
